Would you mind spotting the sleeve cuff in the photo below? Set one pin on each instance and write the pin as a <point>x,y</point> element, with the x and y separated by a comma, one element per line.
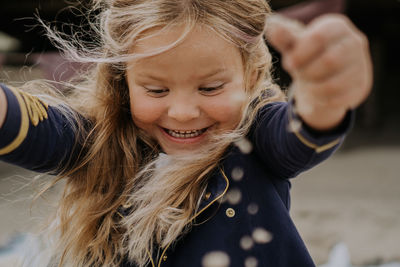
<point>320,141</point>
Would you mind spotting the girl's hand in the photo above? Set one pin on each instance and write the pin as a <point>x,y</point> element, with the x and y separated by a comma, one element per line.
<point>329,62</point>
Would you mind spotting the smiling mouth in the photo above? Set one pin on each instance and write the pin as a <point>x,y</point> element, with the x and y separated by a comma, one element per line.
<point>185,134</point>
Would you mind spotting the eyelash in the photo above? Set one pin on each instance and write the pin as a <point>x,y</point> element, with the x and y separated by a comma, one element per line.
<point>156,91</point>
<point>211,89</point>
<point>203,89</point>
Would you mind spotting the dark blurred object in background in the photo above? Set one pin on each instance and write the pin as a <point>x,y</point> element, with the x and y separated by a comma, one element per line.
<point>305,11</point>
<point>380,20</point>
<point>17,18</point>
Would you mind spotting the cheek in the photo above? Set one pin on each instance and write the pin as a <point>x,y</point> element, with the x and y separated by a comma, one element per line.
<point>145,111</point>
<point>225,109</point>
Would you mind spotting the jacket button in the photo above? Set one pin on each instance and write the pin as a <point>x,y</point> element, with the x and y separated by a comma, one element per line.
<point>164,258</point>
<point>230,212</point>
<point>207,196</point>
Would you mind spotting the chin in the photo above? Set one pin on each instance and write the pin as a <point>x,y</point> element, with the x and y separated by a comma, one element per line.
<point>180,151</point>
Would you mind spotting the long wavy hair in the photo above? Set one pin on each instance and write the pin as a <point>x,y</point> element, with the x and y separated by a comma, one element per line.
<point>119,164</point>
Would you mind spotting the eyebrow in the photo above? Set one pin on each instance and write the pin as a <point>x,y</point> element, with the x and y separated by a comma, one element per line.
<point>200,77</point>
<point>213,73</point>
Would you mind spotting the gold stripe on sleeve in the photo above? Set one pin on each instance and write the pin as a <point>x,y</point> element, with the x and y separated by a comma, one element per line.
<point>317,148</point>
<point>295,125</point>
<point>37,109</point>
<point>23,129</point>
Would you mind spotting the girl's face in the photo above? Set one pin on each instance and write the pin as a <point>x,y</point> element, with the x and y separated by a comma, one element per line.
<point>182,95</point>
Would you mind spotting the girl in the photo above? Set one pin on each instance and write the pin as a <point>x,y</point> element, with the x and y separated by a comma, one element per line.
<point>175,147</point>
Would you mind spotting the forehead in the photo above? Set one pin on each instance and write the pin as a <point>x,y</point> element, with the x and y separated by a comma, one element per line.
<point>201,50</point>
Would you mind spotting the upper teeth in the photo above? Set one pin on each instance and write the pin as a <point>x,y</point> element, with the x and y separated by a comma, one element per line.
<point>185,134</point>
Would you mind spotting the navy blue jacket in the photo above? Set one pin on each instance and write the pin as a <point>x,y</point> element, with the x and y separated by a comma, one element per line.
<point>244,215</point>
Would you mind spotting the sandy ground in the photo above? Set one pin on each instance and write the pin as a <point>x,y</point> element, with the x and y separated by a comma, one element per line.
<point>19,211</point>
<point>353,198</point>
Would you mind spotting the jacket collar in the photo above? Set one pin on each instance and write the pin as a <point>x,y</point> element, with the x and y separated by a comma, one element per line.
<point>218,185</point>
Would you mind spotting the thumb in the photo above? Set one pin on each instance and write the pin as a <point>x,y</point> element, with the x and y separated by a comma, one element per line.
<point>282,32</point>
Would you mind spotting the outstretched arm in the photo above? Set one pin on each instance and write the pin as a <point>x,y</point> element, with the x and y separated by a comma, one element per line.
<point>288,150</point>
<point>331,69</point>
<point>36,136</point>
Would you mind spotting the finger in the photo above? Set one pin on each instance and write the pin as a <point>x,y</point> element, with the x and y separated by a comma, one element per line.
<point>346,98</point>
<point>331,61</point>
<point>347,88</point>
<point>282,32</point>
<point>316,38</point>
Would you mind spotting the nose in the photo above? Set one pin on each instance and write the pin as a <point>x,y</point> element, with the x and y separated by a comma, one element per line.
<point>183,110</point>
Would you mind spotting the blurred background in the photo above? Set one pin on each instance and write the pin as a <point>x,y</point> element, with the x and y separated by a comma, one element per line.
<point>352,199</point>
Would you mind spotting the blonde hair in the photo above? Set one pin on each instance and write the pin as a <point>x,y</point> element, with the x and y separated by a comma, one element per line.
<point>118,163</point>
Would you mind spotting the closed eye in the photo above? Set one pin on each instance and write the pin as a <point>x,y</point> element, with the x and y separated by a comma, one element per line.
<point>156,92</point>
<point>211,90</point>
